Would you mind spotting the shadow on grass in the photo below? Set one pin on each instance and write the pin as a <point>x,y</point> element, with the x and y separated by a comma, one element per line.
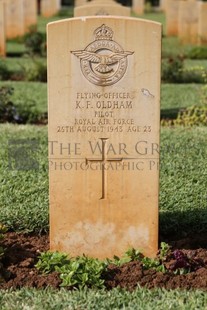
<point>170,113</point>
<point>186,229</point>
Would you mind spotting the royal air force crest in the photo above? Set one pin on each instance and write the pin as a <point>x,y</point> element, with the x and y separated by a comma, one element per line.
<point>103,62</point>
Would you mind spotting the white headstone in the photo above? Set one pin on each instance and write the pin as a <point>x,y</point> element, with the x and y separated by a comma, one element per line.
<point>30,14</point>
<point>14,18</point>
<point>104,119</point>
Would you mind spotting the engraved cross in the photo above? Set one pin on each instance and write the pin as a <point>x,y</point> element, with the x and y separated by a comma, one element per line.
<point>103,161</point>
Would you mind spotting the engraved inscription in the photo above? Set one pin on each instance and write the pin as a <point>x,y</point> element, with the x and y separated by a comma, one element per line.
<point>103,62</point>
<point>103,161</point>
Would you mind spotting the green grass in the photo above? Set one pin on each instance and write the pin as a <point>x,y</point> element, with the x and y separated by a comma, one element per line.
<point>17,63</point>
<point>141,299</point>
<point>179,95</point>
<point>24,194</point>
<point>24,92</point>
<point>173,96</point>
<point>172,47</point>
<point>189,63</point>
<point>15,48</point>
<point>183,181</point>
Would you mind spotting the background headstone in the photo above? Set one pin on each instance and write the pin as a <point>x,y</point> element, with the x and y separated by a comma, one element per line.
<point>104,116</point>
<point>45,8</point>
<point>162,5</point>
<point>102,7</point>
<point>14,18</point>
<point>2,30</point>
<point>171,10</point>
<point>49,7</point>
<point>30,13</point>
<point>188,21</point>
<point>57,6</point>
<point>80,2</point>
<point>138,6</point>
<point>202,23</point>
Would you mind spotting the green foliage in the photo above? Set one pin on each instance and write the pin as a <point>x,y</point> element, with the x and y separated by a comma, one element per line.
<point>130,255</point>
<point>118,261</point>
<point>29,114</point>
<point>83,271</point>
<point>10,112</point>
<point>193,116</point>
<point>134,254</point>
<point>32,70</point>
<point>49,261</point>
<point>27,92</point>
<point>164,249</point>
<point>172,70</point>
<point>197,52</point>
<point>74,272</point>
<point>149,263</point>
<point>5,73</point>
<point>37,71</point>
<point>181,271</point>
<point>35,43</point>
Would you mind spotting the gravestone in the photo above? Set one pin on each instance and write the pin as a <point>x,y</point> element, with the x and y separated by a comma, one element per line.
<point>80,2</point>
<point>57,6</point>
<point>49,7</point>
<point>162,5</point>
<point>104,115</point>
<point>202,23</point>
<point>2,30</point>
<point>14,18</point>
<point>138,6</point>
<point>172,8</point>
<point>188,21</point>
<point>30,14</point>
<point>101,7</point>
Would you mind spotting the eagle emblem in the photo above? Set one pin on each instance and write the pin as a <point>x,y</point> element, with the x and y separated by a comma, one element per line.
<point>103,62</point>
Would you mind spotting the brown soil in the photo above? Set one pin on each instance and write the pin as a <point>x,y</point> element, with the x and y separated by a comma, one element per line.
<point>22,254</point>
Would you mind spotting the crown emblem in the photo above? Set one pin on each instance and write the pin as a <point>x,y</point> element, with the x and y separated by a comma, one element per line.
<point>103,33</point>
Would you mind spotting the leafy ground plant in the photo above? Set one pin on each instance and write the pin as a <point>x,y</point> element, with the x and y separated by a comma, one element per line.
<point>78,272</point>
<point>84,271</point>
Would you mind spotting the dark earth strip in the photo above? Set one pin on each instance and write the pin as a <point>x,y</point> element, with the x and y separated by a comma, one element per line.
<point>22,250</point>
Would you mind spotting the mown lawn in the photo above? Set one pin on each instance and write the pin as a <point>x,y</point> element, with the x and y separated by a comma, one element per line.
<point>173,96</point>
<point>183,180</point>
<point>141,299</point>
